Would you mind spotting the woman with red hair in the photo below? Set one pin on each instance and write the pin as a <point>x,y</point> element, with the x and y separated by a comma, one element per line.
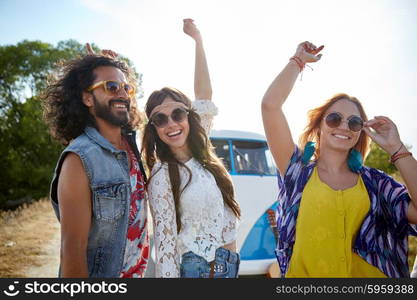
<point>336,217</point>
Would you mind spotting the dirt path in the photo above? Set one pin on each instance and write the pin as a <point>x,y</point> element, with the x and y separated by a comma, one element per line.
<point>29,241</point>
<point>48,260</point>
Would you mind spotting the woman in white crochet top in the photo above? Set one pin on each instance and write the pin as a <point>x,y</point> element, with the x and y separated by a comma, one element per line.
<point>190,192</point>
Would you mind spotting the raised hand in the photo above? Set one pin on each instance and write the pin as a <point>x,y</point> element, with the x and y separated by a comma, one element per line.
<point>384,133</point>
<point>108,53</point>
<point>308,52</point>
<point>191,29</point>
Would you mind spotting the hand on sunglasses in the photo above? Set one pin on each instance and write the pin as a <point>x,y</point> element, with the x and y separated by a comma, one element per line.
<point>384,132</point>
<point>108,53</point>
<point>308,52</point>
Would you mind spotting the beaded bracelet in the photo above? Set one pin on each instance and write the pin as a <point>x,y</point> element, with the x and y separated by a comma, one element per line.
<point>396,157</point>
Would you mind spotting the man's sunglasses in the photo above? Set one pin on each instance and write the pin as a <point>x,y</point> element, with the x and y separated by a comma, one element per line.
<point>177,115</point>
<point>334,120</point>
<point>112,87</point>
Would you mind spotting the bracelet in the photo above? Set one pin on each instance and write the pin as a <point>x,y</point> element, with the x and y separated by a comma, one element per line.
<point>299,62</point>
<point>397,150</point>
<point>396,157</point>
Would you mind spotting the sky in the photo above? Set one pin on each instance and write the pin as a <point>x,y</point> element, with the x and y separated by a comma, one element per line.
<point>370,49</point>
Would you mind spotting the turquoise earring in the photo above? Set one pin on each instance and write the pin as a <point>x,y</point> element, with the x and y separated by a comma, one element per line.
<point>355,160</point>
<point>309,149</point>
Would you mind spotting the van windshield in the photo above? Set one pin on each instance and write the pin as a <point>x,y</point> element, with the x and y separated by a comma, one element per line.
<point>222,149</point>
<point>252,157</point>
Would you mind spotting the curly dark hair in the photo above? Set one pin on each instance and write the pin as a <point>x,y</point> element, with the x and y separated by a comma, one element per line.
<point>154,148</point>
<point>64,110</point>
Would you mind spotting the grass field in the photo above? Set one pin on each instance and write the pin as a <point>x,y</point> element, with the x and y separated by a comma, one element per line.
<point>25,233</point>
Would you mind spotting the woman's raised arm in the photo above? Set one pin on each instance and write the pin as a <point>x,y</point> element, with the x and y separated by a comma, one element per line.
<point>202,84</point>
<point>276,126</point>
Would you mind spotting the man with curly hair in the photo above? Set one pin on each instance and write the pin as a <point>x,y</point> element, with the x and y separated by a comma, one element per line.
<point>98,187</point>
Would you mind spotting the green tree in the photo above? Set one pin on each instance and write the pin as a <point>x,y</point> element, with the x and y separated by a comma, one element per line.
<point>28,153</point>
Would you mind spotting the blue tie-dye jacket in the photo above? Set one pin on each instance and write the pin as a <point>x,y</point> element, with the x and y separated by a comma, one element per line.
<point>383,237</point>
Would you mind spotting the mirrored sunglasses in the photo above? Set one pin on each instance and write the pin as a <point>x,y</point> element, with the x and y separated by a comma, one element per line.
<point>112,87</point>
<point>177,115</point>
<point>334,120</point>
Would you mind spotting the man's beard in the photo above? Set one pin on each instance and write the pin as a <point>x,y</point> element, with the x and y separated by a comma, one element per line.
<point>103,111</point>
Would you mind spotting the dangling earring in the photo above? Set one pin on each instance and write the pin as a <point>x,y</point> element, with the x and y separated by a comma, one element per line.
<point>355,160</point>
<point>309,150</point>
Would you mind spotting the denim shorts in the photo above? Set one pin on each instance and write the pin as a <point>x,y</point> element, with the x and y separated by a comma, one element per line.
<point>225,265</point>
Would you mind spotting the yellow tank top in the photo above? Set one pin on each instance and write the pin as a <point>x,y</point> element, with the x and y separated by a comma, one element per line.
<point>327,225</point>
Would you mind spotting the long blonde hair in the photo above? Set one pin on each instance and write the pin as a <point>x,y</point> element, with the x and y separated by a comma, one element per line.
<point>311,132</point>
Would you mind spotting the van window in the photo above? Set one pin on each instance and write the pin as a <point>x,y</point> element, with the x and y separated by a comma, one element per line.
<point>252,157</point>
<point>222,150</point>
<point>270,162</point>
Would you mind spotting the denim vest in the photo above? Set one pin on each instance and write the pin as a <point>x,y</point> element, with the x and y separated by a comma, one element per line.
<point>108,174</point>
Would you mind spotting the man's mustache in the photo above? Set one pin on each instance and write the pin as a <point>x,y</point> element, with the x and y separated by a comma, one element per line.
<point>122,101</point>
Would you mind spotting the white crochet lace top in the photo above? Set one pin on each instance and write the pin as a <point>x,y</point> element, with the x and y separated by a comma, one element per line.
<point>206,222</point>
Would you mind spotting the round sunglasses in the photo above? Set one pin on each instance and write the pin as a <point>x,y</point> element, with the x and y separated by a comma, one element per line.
<point>113,87</point>
<point>178,115</point>
<point>334,120</point>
